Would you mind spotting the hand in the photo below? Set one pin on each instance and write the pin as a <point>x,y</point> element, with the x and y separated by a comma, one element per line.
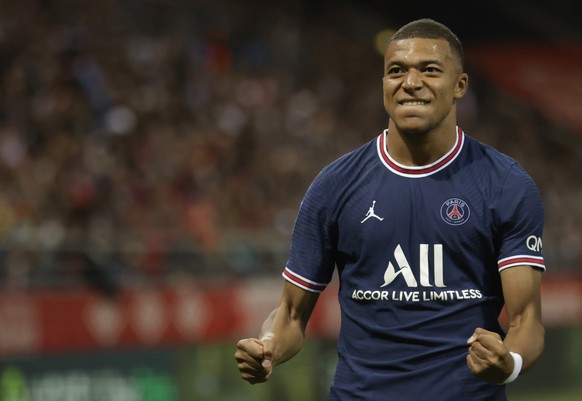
<point>488,357</point>
<point>254,359</point>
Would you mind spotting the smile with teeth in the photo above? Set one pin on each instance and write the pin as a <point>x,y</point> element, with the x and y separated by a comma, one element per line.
<point>414,103</point>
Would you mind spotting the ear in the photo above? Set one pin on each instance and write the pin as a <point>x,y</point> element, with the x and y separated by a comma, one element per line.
<point>462,86</point>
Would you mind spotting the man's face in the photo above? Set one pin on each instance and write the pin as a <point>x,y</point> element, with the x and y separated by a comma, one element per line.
<point>422,80</point>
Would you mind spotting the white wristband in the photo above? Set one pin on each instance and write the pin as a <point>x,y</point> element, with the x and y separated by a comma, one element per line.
<point>517,365</point>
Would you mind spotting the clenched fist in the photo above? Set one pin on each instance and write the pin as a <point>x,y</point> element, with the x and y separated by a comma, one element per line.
<point>254,359</point>
<point>488,358</point>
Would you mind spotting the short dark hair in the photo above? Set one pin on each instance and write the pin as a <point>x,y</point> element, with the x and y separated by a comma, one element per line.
<point>427,28</point>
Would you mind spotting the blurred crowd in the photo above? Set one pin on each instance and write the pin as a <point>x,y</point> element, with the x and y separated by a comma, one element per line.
<point>151,141</point>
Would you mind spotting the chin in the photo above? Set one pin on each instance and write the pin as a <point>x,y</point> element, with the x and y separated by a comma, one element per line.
<point>412,127</point>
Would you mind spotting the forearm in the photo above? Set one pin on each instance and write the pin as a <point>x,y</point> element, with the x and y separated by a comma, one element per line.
<point>285,326</point>
<point>526,337</point>
<point>286,333</point>
<point>521,288</point>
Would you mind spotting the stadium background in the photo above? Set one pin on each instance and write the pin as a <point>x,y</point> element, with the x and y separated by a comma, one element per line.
<point>153,155</point>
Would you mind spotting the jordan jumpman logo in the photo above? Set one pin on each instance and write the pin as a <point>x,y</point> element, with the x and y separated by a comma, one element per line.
<point>371,213</point>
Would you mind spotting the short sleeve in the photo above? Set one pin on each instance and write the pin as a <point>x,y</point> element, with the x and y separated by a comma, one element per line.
<point>521,221</point>
<point>312,253</point>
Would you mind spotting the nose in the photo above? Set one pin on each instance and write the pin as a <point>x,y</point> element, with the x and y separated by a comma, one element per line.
<point>412,80</point>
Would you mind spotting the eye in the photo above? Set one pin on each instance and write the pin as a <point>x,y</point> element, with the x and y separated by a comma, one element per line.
<point>432,69</point>
<point>394,70</point>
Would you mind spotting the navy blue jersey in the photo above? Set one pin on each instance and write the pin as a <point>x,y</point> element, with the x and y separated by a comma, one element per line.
<point>418,251</point>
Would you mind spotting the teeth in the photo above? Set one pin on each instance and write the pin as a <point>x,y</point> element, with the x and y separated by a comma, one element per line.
<point>414,103</point>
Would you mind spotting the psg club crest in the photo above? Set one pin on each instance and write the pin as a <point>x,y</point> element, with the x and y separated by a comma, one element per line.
<point>455,212</point>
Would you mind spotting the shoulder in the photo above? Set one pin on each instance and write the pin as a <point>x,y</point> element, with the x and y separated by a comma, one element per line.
<point>489,154</point>
<point>339,178</point>
<point>508,181</point>
<point>489,159</point>
<point>349,166</point>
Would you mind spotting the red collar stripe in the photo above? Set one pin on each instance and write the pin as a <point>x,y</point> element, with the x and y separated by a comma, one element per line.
<point>419,171</point>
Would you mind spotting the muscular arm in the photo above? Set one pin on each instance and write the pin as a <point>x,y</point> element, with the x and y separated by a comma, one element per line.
<point>285,326</point>
<point>489,357</point>
<point>521,289</point>
<point>281,336</point>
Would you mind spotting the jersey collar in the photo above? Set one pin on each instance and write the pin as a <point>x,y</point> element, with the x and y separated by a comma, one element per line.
<point>419,171</point>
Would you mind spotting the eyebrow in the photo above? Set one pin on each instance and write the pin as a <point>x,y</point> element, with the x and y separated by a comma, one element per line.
<point>421,62</point>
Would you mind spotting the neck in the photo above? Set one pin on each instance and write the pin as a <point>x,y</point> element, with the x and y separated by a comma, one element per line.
<point>411,148</point>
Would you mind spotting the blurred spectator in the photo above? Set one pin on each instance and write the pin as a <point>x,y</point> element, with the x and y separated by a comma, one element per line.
<point>142,141</point>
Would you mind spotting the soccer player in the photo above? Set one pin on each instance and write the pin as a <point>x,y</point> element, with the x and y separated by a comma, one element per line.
<point>431,233</point>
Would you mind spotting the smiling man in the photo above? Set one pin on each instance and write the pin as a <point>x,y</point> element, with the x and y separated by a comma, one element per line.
<point>428,230</point>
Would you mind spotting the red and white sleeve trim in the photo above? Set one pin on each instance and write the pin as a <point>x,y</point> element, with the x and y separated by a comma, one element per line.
<point>302,282</point>
<point>521,260</point>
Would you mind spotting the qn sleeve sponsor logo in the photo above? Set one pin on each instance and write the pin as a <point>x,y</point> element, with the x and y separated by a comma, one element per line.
<point>405,271</point>
<point>534,243</point>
